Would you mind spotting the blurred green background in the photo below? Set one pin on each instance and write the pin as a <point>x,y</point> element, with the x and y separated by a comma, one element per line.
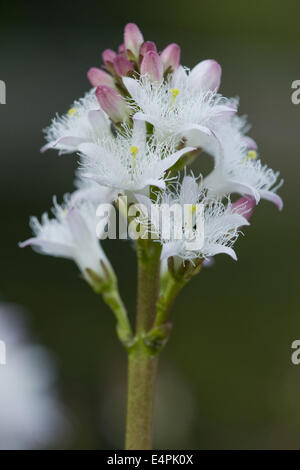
<point>225,379</point>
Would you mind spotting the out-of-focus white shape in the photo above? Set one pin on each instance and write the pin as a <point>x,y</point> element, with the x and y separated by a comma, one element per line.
<point>31,416</point>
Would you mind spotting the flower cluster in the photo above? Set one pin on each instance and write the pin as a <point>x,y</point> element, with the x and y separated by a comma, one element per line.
<point>146,118</point>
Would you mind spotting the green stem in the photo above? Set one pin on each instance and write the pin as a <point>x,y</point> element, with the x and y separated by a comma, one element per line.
<point>171,284</point>
<point>148,253</point>
<point>142,360</point>
<point>112,298</point>
<point>142,367</point>
<point>166,299</point>
<point>107,286</point>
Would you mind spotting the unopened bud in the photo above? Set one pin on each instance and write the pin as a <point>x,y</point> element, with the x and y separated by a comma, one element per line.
<point>122,65</point>
<point>152,66</point>
<point>99,77</point>
<point>170,56</point>
<point>133,39</point>
<point>108,59</point>
<point>206,75</point>
<point>112,103</point>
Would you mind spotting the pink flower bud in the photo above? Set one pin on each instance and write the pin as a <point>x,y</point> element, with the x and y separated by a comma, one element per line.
<point>99,77</point>
<point>152,66</point>
<point>170,56</point>
<point>206,75</point>
<point>133,39</point>
<point>146,47</point>
<point>112,103</point>
<point>121,49</point>
<point>122,65</point>
<point>108,58</point>
<point>244,206</point>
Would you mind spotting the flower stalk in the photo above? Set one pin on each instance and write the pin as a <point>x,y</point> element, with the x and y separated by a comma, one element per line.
<point>142,367</point>
<point>108,288</point>
<point>172,283</point>
<point>143,355</point>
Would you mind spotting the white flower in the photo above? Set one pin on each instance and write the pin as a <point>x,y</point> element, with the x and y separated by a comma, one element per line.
<point>31,416</point>
<point>71,234</point>
<point>88,189</point>
<point>221,223</point>
<point>178,112</point>
<point>128,161</point>
<point>84,122</point>
<point>237,169</point>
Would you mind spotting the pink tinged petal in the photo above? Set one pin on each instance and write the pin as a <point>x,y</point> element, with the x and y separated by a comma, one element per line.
<point>273,197</point>
<point>224,112</point>
<point>69,141</point>
<point>108,59</point>
<point>216,249</point>
<point>99,77</point>
<point>146,47</point>
<point>208,262</point>
<point>249,143</point>
<point>99,120</point>
<point>152,66</point>
<point>122,65</point>
<point>46,147</point>
<point>133,39</point>
<point>79,230</point>
<point>170,56</point>
<point>49,248</point>
<point>244,206</point>
<point>112,103</point>
<point>242,188</point>
<point>206,75</point>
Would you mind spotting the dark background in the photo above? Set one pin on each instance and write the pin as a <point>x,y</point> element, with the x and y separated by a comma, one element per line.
<point>226,379</point>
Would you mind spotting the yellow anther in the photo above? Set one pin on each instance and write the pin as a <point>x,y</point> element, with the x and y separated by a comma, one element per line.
<point>133,150</point>
<point>72,111</point>
<point>193,208</point>
<point>251,155</point>
<point>174,92</point>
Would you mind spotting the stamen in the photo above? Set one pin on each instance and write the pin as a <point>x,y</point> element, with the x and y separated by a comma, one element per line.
<point>252,154</point>
<point>193,208</point>
<point>134,151</point>
<point>72,111</point>
<point>174,92</point>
